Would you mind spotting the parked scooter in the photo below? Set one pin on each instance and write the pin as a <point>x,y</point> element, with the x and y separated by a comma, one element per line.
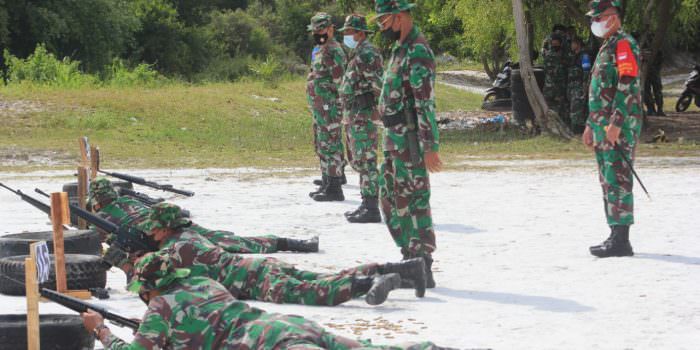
<point>692,90</point>
<point>498,96</point>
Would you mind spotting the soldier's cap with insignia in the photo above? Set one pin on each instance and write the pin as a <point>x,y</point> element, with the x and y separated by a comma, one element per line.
<point>101,191</point>
<point>356,22</point>
<point>320,21</point>
<point>598,6</point>
<point>155,270</point>
<point>391,7</point>
<point>164,215</point>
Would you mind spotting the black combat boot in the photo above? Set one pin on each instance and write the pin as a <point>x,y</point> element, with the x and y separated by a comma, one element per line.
<point>606,241</point>
<point>298,245</point>
<point>412,270</point>
<point>617,245</point>
<point>367,213</point>
<point>376,289</point>
<point>351,213</point>
<point>332,192</point>
<point>323,183</point>
<point>430,281</point>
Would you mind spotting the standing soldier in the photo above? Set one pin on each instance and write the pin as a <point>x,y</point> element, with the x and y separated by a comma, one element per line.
<point>359,92</point>
<point>653,87</point>
<point>322,86</point>
<point>614,122</point>
<point>407,108</point>
<point>577,78</point>
<point>555,76</point>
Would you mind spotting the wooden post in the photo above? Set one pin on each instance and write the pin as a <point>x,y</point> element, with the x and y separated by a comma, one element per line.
<point>32,288</point>
<point>94,161</point>
<point>59,215</point>
<point>84,151</point>
<point>82,193</point>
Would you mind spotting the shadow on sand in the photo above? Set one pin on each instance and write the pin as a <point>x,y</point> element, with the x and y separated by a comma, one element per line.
<point>538,302</point>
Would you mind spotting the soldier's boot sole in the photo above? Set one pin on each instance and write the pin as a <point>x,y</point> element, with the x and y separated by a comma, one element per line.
<point>381,286</point>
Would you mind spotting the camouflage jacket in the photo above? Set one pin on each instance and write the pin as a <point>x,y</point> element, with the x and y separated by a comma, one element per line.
<point>555,70</point>
<point>125,211</point>
<point>327,70</point>
<point>574,69</point>
<point>362,76</point>
<point>409,82</point>
<point>614,94</point>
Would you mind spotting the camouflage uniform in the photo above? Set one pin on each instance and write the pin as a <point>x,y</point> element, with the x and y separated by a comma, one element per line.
<point>359,91</point>
<point>265,279</point>
<point>404,184</point>
<point>322,86</point>
<point>555,72</point>
<point>198,313</point>
<point>615,98</point>
<point>575,91</point>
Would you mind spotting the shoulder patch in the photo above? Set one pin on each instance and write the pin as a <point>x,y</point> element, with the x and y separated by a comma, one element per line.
<point>626,61</point>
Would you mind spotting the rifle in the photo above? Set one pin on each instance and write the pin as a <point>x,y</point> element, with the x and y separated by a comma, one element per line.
<point>129,239</point>
<point>141,197</point>
<point>144,182</point>
<point>624,157</point>
<point>80,306</point>
<point>37,204</point>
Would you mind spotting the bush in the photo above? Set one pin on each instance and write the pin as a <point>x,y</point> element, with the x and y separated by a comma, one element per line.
<point>269,71</point>
<point>142,75</point>
<point>44,68</point>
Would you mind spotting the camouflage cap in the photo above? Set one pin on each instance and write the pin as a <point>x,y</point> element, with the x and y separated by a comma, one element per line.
<point>389,7</point>
<point>164,215</point>
<point>356,22</point>
<point>155,271</point>
<point>320,21</point>
<point>598,6</point>
<point>101,191</point>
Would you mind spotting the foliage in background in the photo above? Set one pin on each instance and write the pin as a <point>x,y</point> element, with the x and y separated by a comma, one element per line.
<point>43,68</point>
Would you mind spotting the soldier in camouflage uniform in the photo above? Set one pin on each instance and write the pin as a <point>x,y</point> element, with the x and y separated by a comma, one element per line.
<point>575,87</point>
<point>411,138</point>
<point>359,92</point>
<point>322,87</point>
<point>555,71</point>
<point>271,280</point>
<point>614,122</point>
<point>127,211</point>
<point>190,312</point>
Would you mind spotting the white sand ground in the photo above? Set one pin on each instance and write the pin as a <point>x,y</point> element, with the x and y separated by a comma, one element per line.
<point>512,265</point>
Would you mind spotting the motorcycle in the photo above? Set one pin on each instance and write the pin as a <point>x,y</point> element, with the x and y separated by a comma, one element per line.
<point>498,96</point>
<point>692,90</point>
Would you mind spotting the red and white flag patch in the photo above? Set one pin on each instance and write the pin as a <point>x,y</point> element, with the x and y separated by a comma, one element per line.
<point>626,62</point>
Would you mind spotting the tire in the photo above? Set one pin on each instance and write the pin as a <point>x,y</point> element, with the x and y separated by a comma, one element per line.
<point>82,272</point>
<point>683,102</point>
<point>75,242</point>
<point>57,332</point>
<point>490,97</point>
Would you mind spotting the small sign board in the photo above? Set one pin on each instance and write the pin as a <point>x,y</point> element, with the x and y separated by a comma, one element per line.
<point>43,261</point>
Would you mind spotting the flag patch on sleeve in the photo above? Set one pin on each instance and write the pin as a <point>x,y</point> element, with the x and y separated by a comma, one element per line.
<point>626,62</point>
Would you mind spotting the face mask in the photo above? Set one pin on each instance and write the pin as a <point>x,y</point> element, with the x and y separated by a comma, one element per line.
<point>599,29</point>
<point>349,41</point>
<point>320,39</point>
<point>390,35</point>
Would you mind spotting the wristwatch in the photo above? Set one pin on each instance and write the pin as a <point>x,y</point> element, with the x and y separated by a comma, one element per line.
<point>98,329</point>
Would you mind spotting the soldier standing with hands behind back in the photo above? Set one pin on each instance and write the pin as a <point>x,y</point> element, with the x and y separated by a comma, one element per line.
<point>411,138</point>
<point>359,92</point>
<point>323,83</point>
<point>614,122</point>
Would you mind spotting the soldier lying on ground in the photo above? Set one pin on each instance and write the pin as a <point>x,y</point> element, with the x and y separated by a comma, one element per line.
<point>268,279</point>
<point>189,312</point>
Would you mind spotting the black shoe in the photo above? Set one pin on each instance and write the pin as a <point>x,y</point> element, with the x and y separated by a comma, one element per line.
<point>616,246</point>
<point>318,182</point>
<point>381,286</point>
<point>351,213</point>
<point>412,272</point>
<point>430,281</point>
<point>298,245</point>
<point>333,192</point>
<point>368,212</point>
<point>321,186</point>
<point>606,241</point>
<point>343,179</point>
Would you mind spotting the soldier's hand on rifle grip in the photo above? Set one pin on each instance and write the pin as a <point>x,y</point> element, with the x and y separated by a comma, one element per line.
<point>91,320</point>
<point>587,137</point>
<point>612,134</point>
<point>433,162</point>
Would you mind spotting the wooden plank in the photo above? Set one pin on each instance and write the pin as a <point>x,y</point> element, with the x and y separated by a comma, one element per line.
<point>82,193</point>
<point>59,216</point>
<point>83,151</point>
<point>32,290</point>
<point>79,293</point>
<point>94,161</point>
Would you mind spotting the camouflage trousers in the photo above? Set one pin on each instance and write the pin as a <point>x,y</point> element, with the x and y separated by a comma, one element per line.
<point>362,145</point>
<point>616,180</point>
<point>232,243</point>
<point>559,104</point>
<point>404,194</point>
<point>577,104</point>
<point>271,280</point>
<point>289,332</point>
<point>328,138</point>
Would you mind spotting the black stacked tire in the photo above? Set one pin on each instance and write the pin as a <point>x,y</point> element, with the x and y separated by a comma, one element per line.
<point>57,332</point>
<point>71,189</point>
<point>82,272</point>
<point>522,111</point>
<point>75,242</point>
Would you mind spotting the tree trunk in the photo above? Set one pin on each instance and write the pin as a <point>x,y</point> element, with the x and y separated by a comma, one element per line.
<point>547,119</point>
<point>490,72</point>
